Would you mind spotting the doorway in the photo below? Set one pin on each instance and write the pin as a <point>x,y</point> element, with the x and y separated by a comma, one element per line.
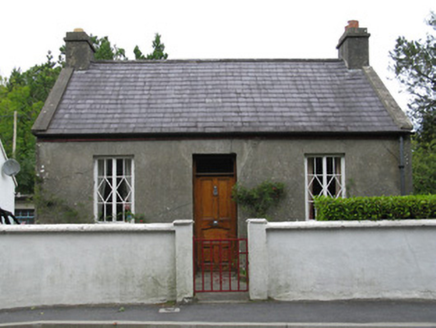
<point>217,249</point>
<point>214,210</point>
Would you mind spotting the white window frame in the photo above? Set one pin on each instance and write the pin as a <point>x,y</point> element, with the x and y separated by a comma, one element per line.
<point>128,180</point>
<point>325,179</point>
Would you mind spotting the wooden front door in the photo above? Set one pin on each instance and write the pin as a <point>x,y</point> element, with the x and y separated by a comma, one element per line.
<point>214,210</point>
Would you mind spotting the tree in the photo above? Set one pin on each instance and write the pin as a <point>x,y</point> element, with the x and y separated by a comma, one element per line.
<point>105,51</point>
<point>158,50</point>
<point>414,65</point>
<point>25,93</point>
<point>138,54</point>
<point>424,167</point>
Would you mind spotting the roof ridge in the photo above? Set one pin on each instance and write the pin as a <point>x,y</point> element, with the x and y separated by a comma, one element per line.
<point>222,60</point>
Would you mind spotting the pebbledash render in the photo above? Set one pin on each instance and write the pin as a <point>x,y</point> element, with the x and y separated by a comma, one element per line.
<point>167,139</point>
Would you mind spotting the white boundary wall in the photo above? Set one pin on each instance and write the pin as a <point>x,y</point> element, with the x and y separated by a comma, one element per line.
<point>95,264</point>
<point>342,260</point>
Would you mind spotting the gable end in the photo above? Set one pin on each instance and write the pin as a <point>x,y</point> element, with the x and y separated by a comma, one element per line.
<point>43,121</point>
<point>395,112</point>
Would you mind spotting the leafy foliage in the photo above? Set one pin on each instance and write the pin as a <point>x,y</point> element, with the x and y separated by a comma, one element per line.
<point>138,54</point>
<point>158,51</point>
<point>375,208</point>
<point>258,200</point>
<point>105,51</point>
<point>25,93</point>
<point>424,167</point>
<point>414,66</point>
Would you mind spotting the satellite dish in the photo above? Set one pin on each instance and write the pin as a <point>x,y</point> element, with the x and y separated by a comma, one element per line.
<point>11,167</point>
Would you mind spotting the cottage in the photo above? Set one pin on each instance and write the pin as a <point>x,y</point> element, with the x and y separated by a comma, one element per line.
<point>169,139</point>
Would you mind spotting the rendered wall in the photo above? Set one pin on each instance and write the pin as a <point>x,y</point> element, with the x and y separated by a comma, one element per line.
<point>343,260</point>
<point>95,264</point>
<point>164,171</point>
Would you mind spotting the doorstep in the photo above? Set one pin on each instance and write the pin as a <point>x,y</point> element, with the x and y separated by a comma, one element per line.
<point>222,297</point>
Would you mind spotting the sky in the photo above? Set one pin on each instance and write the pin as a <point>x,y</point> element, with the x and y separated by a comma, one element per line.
<point>210,29</point>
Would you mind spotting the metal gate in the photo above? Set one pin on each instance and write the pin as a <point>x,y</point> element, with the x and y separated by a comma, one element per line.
<point>220,265</point>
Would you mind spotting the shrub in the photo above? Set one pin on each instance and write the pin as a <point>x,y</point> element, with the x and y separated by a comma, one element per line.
<point>258,200</point>
<point>376,208</point>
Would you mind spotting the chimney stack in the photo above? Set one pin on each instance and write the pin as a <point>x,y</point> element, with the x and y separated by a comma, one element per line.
<point>79,51</point>
<point>353,46</point>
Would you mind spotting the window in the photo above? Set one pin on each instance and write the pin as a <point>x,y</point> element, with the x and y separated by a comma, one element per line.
<point>324,176</point>
<point>113,189</point>
<point>26,216</point>
<point>215,164</point>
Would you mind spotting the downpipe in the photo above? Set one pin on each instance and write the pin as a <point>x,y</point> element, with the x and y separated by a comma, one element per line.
<point>401,166</point>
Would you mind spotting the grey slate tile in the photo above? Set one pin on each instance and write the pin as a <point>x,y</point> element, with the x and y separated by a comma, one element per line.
<point>219,97</point>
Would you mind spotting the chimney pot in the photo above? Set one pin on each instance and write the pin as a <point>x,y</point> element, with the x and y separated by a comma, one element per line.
<point>352,24</point>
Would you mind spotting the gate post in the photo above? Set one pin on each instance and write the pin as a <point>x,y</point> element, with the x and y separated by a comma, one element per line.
<point>257,259</point>
<point>184,259</point>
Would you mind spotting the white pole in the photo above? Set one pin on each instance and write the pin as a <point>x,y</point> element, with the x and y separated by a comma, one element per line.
<point>14,140</point>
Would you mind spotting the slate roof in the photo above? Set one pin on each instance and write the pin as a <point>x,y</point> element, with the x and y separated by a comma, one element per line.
<point>218,96</point>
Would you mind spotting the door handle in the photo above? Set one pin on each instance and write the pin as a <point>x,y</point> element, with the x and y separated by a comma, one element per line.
<point>215,223</point>
<point>215,191</point>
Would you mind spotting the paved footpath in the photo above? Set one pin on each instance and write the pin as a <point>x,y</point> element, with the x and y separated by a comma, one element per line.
<point>233,314</point>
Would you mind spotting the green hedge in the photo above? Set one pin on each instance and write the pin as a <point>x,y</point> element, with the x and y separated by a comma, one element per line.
<point>376,208</point>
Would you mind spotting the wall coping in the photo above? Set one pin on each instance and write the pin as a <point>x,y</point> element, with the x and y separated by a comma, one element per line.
<point>183,222</point>
<point>257,221</point>
<point>92,227</point>
<point>305,225</point>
